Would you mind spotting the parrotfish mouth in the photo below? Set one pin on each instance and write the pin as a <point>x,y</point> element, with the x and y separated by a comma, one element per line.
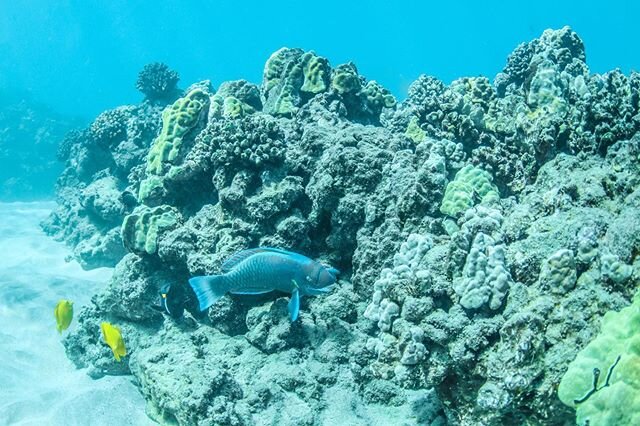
<point>333,271</point>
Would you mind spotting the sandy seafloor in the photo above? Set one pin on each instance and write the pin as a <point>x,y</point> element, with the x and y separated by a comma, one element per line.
<point>38,384</point>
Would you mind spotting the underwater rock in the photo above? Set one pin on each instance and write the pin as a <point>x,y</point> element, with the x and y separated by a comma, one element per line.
<point>481,231</point>
<point>91,191</point>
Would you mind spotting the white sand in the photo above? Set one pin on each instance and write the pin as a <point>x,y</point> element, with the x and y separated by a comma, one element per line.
<point>38,384</point>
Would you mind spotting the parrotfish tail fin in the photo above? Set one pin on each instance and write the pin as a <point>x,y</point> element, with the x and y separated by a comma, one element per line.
<point>294,305</point>
<point>209,289</point>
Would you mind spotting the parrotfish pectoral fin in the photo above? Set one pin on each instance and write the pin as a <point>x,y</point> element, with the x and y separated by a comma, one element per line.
<point>294,305</point>
<point>208,289</point>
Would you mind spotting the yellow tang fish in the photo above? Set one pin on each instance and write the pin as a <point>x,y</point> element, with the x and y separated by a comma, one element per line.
<point>64,314</point>
<point>112,337</point>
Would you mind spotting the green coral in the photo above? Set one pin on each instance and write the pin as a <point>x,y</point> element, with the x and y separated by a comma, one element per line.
<point>282,76</point>
<point>177,121</point>
<point>610,396</point>
<point>316,72</point>
<point>152,187</point>
<point>345,79</point>
<point>141,229</point>
<point>275,66</point>
<point>414,131</point>
<point>235,99</point>
<point>229,107</point>
<point>378,97</point>
<point>469,185</point>
<point>290,73</point>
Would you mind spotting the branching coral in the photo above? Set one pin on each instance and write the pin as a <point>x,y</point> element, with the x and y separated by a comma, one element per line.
<point>157,82</point>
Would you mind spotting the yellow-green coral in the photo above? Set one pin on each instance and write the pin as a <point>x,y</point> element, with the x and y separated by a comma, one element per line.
<point>274,67</point>
<point>140,229</point>
<point>177,120</point>
<point>289,72</point>
<point>378,96</point>
<point>150,187</point>
<point>414,132</point>
<point>229,107</point>
<point>285,103</point>
<point>615,353</point>
<point>283,78</point>
<point>235,99</point>
<point>345,79</point>
<point>469,185</point>
<point>316,73</point>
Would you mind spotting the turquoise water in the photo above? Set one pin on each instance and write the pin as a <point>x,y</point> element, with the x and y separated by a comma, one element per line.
<point>81,56</point>
<point>468,172</point>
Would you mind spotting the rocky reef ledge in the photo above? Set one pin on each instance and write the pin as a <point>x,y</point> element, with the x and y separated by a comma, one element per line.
<point>482,229</point>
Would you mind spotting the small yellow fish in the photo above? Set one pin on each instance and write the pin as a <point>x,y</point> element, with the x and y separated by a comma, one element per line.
<point>112,337</point>
<point>64,314</point>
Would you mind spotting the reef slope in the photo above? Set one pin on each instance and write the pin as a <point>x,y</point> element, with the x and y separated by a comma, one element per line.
<point>482,230</point>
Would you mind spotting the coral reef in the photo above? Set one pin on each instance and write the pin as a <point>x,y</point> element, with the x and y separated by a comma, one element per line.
<point>141,229</point>
<point>544,102</point>
<point>481,230</point>
<point>93,192</point>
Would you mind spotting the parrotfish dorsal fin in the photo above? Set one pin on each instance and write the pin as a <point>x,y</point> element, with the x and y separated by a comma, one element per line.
<point>235,259</point>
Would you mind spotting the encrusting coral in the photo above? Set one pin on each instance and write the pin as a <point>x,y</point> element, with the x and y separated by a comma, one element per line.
<point>605,373</point>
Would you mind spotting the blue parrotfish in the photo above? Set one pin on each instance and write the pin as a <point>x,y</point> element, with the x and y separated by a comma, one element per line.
<point>262,270</point>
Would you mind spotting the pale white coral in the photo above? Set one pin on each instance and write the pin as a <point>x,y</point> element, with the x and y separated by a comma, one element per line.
<point>414,351</point>
<point>587,245</point>
<point>406,266</point>
<point>612,268</point>
<point>485,279</point>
